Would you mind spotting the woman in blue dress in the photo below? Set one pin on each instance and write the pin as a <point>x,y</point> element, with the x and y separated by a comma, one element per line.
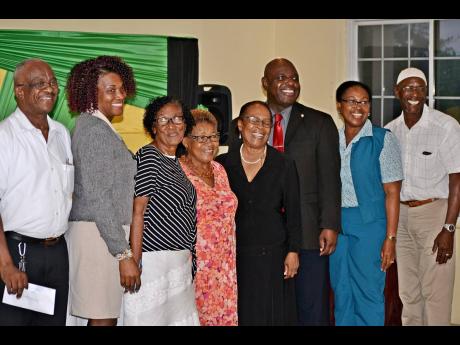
<point>371,174</point>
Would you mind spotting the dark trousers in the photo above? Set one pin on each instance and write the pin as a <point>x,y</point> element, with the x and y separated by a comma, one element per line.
<point>312,289</point>
<point>47,266</point>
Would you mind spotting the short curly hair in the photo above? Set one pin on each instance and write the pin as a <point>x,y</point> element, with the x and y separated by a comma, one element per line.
<point>152,109</point>
<point>83,78</point>
<point>202,115</point>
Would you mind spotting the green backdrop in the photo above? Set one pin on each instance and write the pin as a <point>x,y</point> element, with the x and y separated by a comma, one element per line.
<point>147,55</point>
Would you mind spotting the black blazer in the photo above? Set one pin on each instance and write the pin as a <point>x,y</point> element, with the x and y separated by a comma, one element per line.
<point>312,141</point>
<point>260,220</point>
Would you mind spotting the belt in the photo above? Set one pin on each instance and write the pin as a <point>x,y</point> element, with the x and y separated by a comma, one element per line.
<point>415,203</point>
<point>50,241</point>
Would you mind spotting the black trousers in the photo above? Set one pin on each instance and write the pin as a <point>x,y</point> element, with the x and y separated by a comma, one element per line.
<point>312,289</point>
<point>47,266</point>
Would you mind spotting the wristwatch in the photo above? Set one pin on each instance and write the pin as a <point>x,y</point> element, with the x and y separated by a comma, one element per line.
<point>391,237</point>
<point>449,227</point>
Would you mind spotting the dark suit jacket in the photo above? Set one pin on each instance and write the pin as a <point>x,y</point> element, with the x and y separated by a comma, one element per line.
<point>312,141</point>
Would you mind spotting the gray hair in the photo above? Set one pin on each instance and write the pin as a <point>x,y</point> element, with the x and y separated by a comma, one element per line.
<point>20,66</point>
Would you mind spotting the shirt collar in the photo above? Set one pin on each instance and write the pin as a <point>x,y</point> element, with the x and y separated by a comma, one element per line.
<point>366,131</point>
<point>286,112</point>
<point>424,119</point>
<point>25,124</point>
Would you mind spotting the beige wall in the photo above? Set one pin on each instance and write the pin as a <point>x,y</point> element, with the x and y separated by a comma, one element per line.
<point>233,52</point>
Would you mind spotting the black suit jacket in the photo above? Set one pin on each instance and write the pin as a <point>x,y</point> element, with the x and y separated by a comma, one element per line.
<point>312,141</point>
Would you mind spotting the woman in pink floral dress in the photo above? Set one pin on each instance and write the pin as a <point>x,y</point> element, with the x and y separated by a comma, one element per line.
<point>215,281</point>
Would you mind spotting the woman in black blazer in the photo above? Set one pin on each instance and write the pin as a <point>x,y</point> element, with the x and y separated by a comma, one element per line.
<point>267,221</point>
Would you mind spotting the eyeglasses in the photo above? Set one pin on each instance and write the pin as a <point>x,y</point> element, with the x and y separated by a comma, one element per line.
<point>176,120</point>
<point>413,88</point>
<point>40,85</point>
<point>255,121</point>
<point>205,138</point>
<point>354,102</point>
<point>283,78</point>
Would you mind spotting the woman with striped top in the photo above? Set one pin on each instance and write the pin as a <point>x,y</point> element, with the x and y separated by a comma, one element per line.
<point>163,231</point>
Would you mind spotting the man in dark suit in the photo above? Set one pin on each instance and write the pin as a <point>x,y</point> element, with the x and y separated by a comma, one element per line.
<point>310,138</point>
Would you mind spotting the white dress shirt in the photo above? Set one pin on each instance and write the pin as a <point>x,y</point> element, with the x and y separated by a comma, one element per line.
<point>430,152</point>
<point>36,177</point>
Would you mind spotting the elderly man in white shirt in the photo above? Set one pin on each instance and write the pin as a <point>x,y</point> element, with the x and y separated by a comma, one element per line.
<point>36,185</point>
<point>430,202</point>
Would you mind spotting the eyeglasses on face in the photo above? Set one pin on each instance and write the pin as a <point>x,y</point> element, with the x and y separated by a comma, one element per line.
<point>413,88</point>
<point>354,102</point>
<point>40,85</point>
<point>205,138</point>
<point>164,120</point>
<point>255,121</point>
<point>283,78</point>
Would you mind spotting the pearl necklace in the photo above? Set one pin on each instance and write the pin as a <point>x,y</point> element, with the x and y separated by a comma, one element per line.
<point>254,162</point>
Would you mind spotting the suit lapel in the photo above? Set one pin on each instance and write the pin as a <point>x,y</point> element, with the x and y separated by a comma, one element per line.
<point>295,120</point>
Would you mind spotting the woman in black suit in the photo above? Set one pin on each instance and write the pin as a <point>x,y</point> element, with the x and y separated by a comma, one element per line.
<point>267,221</point>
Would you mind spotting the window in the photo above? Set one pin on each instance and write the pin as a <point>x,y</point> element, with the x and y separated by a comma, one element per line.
<point>380,49</point>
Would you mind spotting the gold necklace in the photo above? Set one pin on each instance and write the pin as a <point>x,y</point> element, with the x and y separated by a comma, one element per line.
<point>208,173</point>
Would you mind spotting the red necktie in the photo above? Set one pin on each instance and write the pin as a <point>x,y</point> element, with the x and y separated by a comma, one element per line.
<point>278,134</point>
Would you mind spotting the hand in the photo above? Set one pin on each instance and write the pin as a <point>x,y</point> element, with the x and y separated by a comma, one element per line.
<point>291,265</point>
<point>444,244</point>
<point>387,254</point>
<point>130,275</point>
<point>327,241</point>
<point>15,280</point>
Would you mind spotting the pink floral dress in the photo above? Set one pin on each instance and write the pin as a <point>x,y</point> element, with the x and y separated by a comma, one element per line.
<point>215,280</point>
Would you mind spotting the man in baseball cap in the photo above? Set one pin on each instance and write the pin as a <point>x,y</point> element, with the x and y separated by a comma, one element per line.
<point>430,202</point>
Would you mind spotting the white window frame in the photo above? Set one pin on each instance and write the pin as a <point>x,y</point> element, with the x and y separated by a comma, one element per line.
<point>353,53</point>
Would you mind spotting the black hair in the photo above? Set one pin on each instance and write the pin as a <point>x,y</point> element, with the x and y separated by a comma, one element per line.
<point>349,84</point>
<point>245,106</point>
<point>152,109</point>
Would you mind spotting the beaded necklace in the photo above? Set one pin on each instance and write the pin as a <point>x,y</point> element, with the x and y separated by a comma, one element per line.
<point>253,162</point>
<point>208,173</point>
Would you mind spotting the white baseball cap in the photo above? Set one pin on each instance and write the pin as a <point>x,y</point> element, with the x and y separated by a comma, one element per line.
<point>409,73</point>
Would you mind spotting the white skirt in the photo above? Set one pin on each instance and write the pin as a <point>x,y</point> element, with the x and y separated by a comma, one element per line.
<point>167,295</point>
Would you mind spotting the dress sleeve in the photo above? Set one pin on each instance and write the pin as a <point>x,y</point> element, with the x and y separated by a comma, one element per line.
<point>292,207</point>
<point>450,149</point>
<point>4,159</point>
<point>97,177</point>
<point>390,159</point>
<point>146,172</point>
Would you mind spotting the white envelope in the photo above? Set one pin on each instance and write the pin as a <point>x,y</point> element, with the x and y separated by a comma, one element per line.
<point>36,297</point>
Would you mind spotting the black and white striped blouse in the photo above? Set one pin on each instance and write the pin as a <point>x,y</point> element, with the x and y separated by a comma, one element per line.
<point>170,217</point>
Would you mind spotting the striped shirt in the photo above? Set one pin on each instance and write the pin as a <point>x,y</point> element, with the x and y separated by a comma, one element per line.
<point>170,217</point>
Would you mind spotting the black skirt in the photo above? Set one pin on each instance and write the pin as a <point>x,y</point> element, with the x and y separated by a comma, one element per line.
<point>265,298</point>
